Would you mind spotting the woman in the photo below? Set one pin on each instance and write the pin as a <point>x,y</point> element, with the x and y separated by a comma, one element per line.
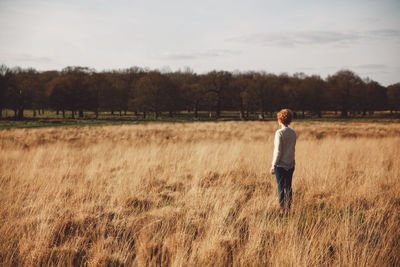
<point>283,159</point>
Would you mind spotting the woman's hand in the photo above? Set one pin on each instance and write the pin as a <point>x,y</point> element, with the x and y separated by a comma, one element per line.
<point>272,170</point>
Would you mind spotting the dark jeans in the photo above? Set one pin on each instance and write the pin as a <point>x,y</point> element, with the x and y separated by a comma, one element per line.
<point>284,180</point>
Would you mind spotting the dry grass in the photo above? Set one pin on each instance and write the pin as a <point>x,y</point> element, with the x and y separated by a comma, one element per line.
<point>198,194</point>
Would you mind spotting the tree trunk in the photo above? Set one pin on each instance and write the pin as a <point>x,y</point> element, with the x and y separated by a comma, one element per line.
<point>63,112</point>
<point>73,114</point>
<point>34,113</point>
<point>218,109</point>
<point>96,112</point>
<point>241,109</point>
<point>57,112</point>
<point>81,113</point>
<point>125,112</point>
<point>170,114</point>
<point>112,112</point>
<point>144,114</point>
<point>20,113</point>
<point>120,113</point>
<point>196,109</point>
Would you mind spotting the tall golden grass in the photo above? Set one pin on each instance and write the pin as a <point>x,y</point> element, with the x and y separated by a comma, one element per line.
<point>198,194</point>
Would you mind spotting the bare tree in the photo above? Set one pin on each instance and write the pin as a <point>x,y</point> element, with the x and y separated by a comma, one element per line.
<point>393,96</point>
<point>343,87</point>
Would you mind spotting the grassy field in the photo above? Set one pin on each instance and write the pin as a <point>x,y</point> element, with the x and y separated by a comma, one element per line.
<point>198,194</point>
<point>50,119</point>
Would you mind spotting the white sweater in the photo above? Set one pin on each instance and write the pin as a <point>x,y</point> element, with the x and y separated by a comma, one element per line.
<point>284,144</point>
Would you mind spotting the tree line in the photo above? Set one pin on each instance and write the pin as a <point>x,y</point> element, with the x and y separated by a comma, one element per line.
<point>77,90</point>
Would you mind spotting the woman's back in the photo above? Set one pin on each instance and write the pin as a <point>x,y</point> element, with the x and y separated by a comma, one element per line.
<point>284,142</point>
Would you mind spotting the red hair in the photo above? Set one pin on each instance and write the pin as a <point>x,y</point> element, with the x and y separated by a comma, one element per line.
<point>285,116</point>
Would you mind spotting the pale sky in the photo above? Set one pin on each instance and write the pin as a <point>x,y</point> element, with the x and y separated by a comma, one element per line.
<point>310,36</point>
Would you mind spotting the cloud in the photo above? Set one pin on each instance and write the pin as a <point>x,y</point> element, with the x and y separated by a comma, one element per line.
<point>371,20</point>
<point>305,68</point>
<point>384,33</point>
<point>290,39</point>
<point>372,66</point>
<point>372,73</point>
<point>372,69</point>
<point>28,58</point>
<point>190,55</point>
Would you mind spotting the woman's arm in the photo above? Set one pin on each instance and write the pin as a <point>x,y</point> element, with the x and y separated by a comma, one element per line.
<point>277,150</point>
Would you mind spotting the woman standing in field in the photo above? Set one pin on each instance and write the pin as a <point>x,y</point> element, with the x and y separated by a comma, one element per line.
<point>283,159</point>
